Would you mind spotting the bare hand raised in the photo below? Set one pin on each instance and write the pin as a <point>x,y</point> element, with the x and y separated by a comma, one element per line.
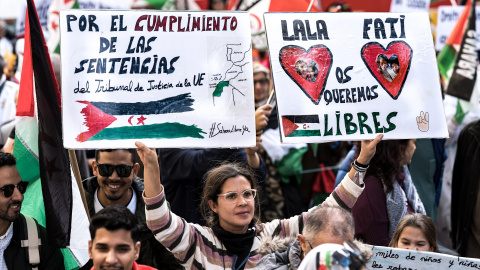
<point>368,149</point>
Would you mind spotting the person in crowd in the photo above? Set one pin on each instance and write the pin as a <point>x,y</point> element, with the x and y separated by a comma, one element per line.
<point>231,208</point>
<point>389,193</point>
<point>335,256</point>
<point>8,104</point>
<point>324,225</point>
<point>261,84</point>
<point>115,243</point>
<point>415,232</point>
<point>465,216</point>
<point>5,45</point>
<point>16,247</point>
<point>116,182</point>
<point>182,170</point>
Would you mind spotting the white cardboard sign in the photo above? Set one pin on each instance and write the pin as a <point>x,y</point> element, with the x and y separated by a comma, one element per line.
<point>447,17</point>
<point>398,259</point>
<point>409,5</point>
<point>169,79</point>
<point>350,76</point>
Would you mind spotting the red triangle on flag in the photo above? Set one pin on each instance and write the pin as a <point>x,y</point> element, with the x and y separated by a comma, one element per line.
<point>288,126</point>
<point>95,120</point>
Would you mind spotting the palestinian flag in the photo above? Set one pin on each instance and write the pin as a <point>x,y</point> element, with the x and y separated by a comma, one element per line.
<point>301,125</point>
<point>41,159</point>
<point>457,60</point>
<point>99,116</point>
<point>53,22</point>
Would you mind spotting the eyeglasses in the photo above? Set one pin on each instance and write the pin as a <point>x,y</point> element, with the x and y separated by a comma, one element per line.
<point>106,170</point>
<point>232,196</point>
<point>309,244</point>
<point>8,189</point>
<point>262,81</point>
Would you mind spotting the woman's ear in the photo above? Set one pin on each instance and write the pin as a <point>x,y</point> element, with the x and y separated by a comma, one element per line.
<point>212,205</point>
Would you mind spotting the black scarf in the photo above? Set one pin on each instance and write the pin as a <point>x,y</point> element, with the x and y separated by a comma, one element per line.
<point>237,244</point>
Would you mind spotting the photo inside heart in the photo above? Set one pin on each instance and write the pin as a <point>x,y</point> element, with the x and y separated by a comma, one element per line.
<point>388,67</point>
<point>308,70</point>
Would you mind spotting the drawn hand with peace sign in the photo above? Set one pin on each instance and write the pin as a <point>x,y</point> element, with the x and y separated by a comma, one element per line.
<point>422,121</point>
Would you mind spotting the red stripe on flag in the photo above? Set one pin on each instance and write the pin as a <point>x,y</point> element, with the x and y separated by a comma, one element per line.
<point>26,105</point>
<point>455,37</point>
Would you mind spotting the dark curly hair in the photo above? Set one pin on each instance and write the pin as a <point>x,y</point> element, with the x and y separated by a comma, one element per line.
<point>214,180</point>
<point>7,159</point>
<point>388,161</point>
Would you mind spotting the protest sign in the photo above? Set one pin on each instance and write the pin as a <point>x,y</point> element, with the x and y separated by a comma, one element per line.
<point>350,76</point>
<point>409,5</point>
<point>399,259</point>
<point>170,79</point>
<point>447,17</point>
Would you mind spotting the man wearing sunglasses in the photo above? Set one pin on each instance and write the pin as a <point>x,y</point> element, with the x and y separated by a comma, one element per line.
<point>16,248</point>
<point>116,183</point>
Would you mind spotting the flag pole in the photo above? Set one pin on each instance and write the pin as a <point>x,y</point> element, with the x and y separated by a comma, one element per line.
<point>78,179</point>
<point>310,6</point>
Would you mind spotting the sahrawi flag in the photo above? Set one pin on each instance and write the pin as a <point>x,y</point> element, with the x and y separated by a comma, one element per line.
<point>53,22</point>
<point>458,59</point>
<point>51,196</point>
<point>99,117</point>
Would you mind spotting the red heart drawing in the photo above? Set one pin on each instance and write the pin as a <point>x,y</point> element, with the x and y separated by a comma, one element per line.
<point>308,69</point>
<point>389,66</point>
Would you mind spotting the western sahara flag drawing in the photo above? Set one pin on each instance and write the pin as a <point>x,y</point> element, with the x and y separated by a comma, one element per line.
<point>100,115</point>
<point>51,196</point>
<point>301,125</point>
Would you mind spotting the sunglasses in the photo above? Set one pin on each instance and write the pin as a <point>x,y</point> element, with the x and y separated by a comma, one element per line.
<point>8,189</point>
<point>106,170</point>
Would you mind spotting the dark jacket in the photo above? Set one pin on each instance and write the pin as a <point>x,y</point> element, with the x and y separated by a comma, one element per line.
<point>16,257</point>
<point>465,179</point>
<point>152,253</point>
<point>182,171</point>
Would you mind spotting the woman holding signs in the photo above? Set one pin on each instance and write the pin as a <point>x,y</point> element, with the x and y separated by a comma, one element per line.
<point>231,207</point>
<point>389,193</point>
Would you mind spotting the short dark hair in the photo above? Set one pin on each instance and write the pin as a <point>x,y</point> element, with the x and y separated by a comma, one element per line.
<point>7,159</point>
<point>115,217</point>
<point>338,221</point>
<point>98,151</point>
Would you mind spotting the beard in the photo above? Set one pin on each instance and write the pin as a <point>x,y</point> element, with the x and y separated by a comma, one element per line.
<point>5,216</point>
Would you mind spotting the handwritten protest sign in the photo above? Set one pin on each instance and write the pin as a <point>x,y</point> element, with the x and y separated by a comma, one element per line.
<point>409,5</point>
<point>170,79</point>
<point>447,17</point>
<point>350,76</point>
<point>403,259</point>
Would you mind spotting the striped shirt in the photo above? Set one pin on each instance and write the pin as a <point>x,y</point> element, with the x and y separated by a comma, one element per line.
<point>197,247</point>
